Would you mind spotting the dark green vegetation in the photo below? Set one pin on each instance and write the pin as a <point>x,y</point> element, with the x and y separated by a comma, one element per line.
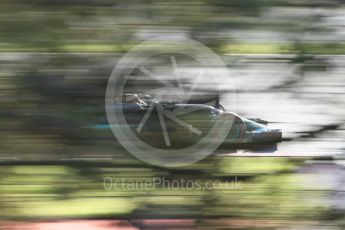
<point>116,25</point>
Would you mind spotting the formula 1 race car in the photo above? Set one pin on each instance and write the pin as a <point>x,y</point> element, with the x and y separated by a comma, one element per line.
<point>186,124</point>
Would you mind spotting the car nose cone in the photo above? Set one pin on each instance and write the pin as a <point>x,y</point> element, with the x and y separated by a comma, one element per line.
<point>268,135</point>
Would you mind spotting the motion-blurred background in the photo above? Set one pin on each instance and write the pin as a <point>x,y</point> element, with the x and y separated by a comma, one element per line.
<point>287,60</point>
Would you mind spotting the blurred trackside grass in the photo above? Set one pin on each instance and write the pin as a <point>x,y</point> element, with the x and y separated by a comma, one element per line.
<point>235,48</point>
<point>270,188</point>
